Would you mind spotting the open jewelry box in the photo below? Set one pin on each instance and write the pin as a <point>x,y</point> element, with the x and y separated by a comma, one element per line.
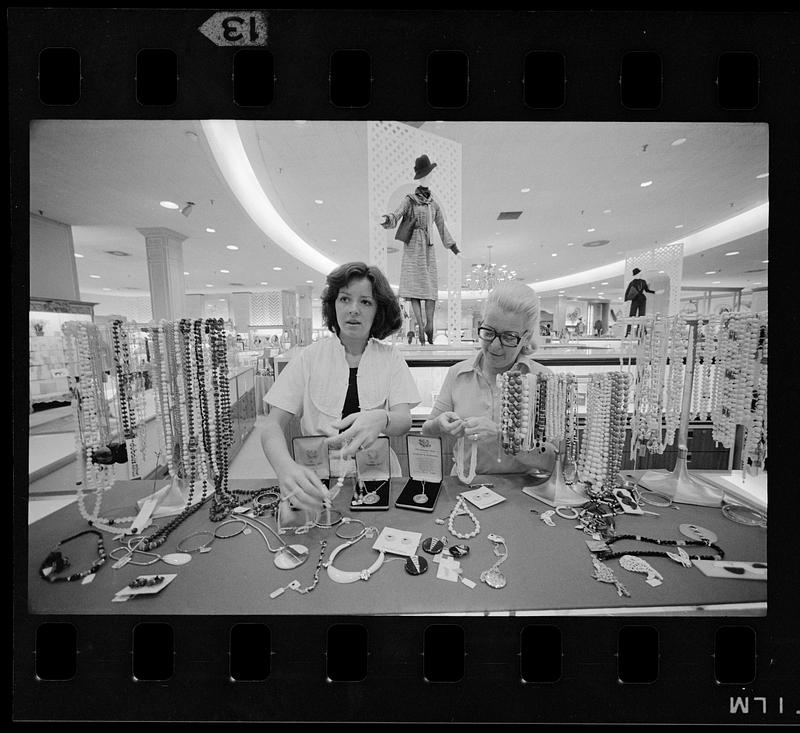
<point>425,474</point>
<point>373,477</point>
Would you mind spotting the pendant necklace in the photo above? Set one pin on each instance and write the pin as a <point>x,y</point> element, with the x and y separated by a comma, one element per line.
<point>422,497</point>
<point>493,577</point>
<point>287,556</point>
<point>342,576</point>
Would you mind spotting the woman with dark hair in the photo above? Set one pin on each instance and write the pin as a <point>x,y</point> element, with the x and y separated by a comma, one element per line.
<point>351,387</point>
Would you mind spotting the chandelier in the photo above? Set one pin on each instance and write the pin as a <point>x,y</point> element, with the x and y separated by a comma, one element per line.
<point>484,276</point>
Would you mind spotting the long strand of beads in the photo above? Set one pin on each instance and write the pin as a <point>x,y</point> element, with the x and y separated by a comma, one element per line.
<point>677,371</point>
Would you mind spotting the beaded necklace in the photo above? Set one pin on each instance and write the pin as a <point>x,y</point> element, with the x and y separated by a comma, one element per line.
<point>606,555</point>
<point>56,561</point>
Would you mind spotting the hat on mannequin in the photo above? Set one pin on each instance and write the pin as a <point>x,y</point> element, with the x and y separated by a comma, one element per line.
<point>636,270</point>
<point>423,166</point>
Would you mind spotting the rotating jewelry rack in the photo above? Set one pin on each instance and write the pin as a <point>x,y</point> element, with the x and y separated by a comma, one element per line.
<point>679,484</point>
<point>556,491</point>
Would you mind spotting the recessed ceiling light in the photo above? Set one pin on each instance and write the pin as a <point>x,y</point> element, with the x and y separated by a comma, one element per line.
<point>277,268</point>
<point>79,256</point>
<point>263,283</point>
<point>606,211</point>
<point>309,282</point>
<point>333,240</point>
<point>605,283</point>
<point>569,244</point>
<point>716,282</point>
<point>660,272</point>
<point>679,226</point>
<point>106,288</point>
<point>318,201</point>
<point>185,273</point>
<point>169,204</point>
<point>591,230</point>
<point>757,283</point>
<point>711,272</point>
<point>645,184</point>
<point>555,254</point>
<point>227,272</point>
<point>762,175</point>
<point>601,293</point>
<point>222,299</point>
<point>497,234</point>
<point>210,230</point>
<point>765,261</point>
<point>524,190</point>
<point>231,246</point>
<point>96,277</point>
<point>735,252</point>
<point>679,141</point>
<point>593,287</point>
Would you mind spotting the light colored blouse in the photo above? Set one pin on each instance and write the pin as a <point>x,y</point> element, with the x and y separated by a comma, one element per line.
<point>469,392</point>
<point>314,383</point>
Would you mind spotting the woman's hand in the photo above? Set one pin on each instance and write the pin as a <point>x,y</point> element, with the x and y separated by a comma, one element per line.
<point>301,487</point>
<point>449,423</point>
<point>480,427</point>
<point>362,428</point>
<point>385,222</point>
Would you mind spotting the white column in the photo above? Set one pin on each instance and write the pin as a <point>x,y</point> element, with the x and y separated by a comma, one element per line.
<point>165,271</point>
<point>304,313</point>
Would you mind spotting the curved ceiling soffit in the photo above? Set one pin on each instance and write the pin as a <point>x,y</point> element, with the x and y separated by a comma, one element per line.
<point>233,162</point>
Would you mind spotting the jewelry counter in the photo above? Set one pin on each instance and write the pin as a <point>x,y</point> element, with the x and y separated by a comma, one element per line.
<point>539,568</point>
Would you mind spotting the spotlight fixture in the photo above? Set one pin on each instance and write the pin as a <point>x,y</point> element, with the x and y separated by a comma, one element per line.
<point>186,210</point>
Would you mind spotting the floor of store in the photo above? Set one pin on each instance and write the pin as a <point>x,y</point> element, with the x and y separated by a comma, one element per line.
<point>249,462</point>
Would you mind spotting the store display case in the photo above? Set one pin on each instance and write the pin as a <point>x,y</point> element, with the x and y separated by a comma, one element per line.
<point>47,360</point>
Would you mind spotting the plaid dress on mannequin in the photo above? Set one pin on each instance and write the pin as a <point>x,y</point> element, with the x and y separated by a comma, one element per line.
<point>418,274</point>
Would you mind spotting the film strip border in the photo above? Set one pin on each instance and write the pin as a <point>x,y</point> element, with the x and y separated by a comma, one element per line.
<point>254,63</point>
<point>637,66</point>
<point>405,669</point>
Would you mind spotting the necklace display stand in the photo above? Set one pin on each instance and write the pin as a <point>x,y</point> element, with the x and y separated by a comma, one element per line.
<point>556,491</point>
<point>679,484</point>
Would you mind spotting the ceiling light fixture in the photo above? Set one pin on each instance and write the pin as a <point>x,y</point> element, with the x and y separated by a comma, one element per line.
<point>210,230</point>
<point>318,201</point>
<point>764,262</point>
<point>758,282</point>
<point>186,210</point>
<point>185,273</point>
<point>645,184</point>
<point>555,254</point>
<point>591,230</point>
<point>606,211</point>
<point>333,240</point>
<point>730,254</point>
<point>712,272</point>
<point>277,268</point>
<point>263,283</point>
<point>106,288</point>
<point>486,276</point>
<point>96,277</point>
<point>679,226</point>
<point>169,205</point>
<point>679,141</point>
<point>79,256</point>
<point>524,190</point>
<point>209,285</point>
<point>231,246</point>
<point>569,244</point>
<point>310,282</point>
<point>762,175</point>
<point>604,283</point>
<point>227,272</point>
<point>716,282</point>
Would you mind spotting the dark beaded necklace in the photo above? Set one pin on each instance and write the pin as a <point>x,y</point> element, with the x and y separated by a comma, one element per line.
<point>160,536</point>
<point>191,446</point>
<point>56,562</point>
<point>224,500</point>
<point>605,555</point>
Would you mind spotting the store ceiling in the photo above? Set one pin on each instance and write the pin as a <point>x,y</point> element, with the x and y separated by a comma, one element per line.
<point>106,178</point>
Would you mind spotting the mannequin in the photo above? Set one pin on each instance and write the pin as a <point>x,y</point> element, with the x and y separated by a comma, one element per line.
<point>417,214</point>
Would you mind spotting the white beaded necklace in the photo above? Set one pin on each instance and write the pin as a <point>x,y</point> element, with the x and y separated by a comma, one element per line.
<point>460,509</point>
<point>458,456</point>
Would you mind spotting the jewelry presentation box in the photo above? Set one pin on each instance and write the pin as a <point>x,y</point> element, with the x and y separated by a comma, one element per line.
<point>373,474</point>
<point>425,474</point>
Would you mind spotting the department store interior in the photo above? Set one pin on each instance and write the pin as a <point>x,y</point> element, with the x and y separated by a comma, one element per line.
<point>139,223</point>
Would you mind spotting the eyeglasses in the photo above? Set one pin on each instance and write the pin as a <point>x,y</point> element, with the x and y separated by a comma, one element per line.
<point>507,338</point>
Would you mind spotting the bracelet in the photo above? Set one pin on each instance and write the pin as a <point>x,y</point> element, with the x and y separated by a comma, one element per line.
<point>205,547</point>
<point>234,534</point>
<point>351,520</point>
<point>561,508</point>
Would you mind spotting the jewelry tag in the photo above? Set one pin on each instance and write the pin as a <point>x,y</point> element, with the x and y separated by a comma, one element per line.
<point>596,545</point>
<point>277,592</point>
<point>241,509</point>
<point>655,582</point>
<point>121,599</point>
<point>88,579</point>
<point>448,571</point>
<point>294,585</point>
<point>122,562</point>
<point>469,583</point>
<point>439,521</point>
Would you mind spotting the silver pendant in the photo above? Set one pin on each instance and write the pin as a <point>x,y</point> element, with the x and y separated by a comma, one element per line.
<point>291,556</point>
<point>420,498</point>
<point>494,578</point>
<point>695,532</point>
<point>177,558</point>
<point>371,499</point>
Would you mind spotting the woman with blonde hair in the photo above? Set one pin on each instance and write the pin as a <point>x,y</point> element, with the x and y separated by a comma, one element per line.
<point>468,404</point>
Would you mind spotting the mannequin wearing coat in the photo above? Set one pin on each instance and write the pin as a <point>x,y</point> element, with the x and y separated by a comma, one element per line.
<point>417,215</point>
